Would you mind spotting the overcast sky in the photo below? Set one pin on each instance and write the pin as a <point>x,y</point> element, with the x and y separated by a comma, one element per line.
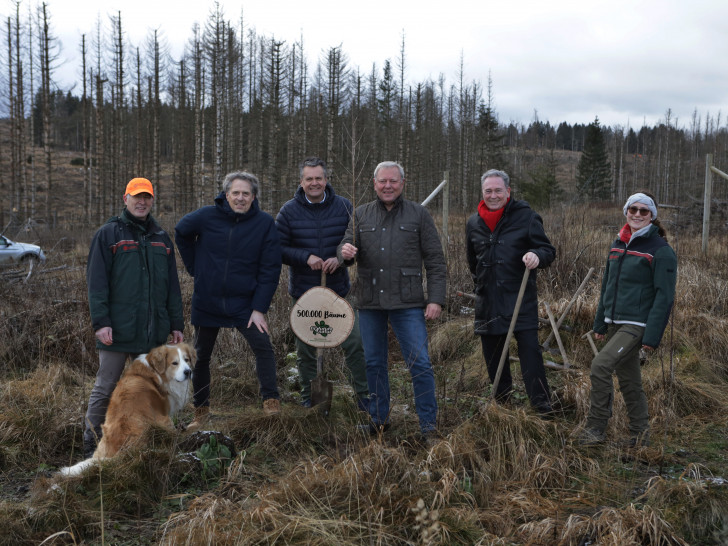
<point>624,61</point>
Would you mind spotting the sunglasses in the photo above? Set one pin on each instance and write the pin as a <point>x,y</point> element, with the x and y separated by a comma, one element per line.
<point>635,210</point>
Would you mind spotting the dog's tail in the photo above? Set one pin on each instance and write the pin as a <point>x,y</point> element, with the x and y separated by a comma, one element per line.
<point>77,469</point>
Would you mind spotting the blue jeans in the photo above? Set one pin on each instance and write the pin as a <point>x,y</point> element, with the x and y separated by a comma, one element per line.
<point>409,327</point>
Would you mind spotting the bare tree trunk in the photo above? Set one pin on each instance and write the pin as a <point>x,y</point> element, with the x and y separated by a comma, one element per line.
<point>13,137</point>
<point>21,197</point>
<point>156,107</point>
<point>85,136</point>
<point>46,93</point>
<point>139,163</point>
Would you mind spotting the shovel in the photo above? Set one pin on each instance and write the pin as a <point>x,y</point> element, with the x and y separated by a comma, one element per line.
<point>504,354</point>
<point>321,390</point>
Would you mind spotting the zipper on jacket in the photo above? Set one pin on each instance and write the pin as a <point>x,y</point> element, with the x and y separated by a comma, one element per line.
<point>616,283</point>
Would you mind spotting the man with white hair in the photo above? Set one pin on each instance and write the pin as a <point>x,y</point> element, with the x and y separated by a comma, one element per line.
<point>391,238</point>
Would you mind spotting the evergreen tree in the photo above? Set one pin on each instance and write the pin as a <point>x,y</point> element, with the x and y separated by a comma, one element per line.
<point>491,146</point>
<point>594,174</point>
<point>543,187</point>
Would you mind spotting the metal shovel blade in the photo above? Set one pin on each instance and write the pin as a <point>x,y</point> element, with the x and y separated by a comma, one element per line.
<point>322,390</point>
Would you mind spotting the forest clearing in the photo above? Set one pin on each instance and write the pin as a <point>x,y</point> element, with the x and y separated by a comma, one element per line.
<point>500,474</point>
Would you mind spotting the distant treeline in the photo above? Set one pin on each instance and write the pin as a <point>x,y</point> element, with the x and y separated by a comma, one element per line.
<point>237,99</point>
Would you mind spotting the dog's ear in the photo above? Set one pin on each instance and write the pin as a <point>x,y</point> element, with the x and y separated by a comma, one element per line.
<point>157,359</point>
<point>189,350</point>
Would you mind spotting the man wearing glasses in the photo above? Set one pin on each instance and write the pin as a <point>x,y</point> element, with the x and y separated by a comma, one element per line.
<point>504,238</point>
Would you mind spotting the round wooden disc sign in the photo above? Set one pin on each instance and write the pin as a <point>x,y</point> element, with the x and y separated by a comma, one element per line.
<point>322,318</point>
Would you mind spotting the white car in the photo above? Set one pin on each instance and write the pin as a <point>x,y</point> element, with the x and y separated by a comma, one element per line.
<point>15,253</point>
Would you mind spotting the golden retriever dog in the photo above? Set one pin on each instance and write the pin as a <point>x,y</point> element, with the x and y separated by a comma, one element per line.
<point>154,388</point>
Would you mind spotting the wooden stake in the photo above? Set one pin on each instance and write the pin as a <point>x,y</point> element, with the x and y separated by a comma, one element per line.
<point>556,334</point>
<point>510,330</point>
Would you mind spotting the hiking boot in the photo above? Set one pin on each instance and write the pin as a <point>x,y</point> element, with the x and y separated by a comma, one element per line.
<point>641,439</point>
<point>202,416</point>
<point>429,438</point>
<point>271,406</point>
<point>306,403</point>
<point>374,429</point>
<point>89,447</point>
<point>590,437</point>
<point>362,404</point>
<point>545,411</point>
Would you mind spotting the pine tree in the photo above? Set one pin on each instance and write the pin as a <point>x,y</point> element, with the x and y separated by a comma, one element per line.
<point>543,187</point>
<point>594,174</point>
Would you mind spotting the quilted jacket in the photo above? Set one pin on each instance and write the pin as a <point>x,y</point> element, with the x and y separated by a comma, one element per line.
<point>308,228</point>
<point>392,248</point>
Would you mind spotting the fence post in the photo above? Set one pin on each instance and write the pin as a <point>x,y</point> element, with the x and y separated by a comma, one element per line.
<point>706,200</point>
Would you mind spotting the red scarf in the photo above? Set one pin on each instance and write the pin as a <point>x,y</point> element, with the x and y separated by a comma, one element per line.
<point>625,234</point>
<point>491,217</point>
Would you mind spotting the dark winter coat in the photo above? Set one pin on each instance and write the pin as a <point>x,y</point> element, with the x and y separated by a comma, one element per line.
<point>308,228</point>
<point>235,259</point>
<point>392,248</point>
<point>133,285</point>
<point>638,286</point>
<point>495,260</point>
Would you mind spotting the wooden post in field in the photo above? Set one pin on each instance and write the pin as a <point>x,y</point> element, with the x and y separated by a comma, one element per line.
<point>706,201</point>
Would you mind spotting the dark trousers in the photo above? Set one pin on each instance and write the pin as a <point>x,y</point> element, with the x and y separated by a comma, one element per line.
<point>265,364</point>
<point>529,354</point>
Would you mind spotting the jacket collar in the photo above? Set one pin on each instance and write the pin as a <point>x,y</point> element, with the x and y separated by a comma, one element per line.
<point>300,196</point>
<point>397,203</point>
<point>150,225</point>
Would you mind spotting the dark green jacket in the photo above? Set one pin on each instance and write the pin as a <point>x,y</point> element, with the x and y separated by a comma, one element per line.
<point>133,285</point>
<point>392,248</point>
<point>638,286</point>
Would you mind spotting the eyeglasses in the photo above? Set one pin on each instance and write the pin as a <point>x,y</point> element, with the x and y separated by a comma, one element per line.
<point>635,210</point>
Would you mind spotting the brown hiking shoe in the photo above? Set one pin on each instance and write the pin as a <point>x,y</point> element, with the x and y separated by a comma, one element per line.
<point>641,439</point>
<point>272,406</point>
<point>591,437</point>
<point>202,416</point>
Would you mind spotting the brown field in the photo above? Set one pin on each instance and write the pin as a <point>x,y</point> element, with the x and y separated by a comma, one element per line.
<point>500,475</point>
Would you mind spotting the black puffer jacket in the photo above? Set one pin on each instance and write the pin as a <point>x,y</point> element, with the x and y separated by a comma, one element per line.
<point>308,228</point>
<point>495,261</point>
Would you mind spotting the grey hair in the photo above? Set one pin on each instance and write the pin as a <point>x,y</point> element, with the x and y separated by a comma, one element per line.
<point>241,175</point>
<point>314,162</point>
<point>389,165</point>
<point>494,173</point>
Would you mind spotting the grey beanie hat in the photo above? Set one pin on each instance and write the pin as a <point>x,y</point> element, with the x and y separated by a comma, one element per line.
<point>641,198</point>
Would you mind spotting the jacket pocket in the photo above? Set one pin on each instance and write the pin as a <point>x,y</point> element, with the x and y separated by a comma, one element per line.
<point>123,323</point>
<point>163,326</point>
<point>410,286</point>
<point>364,291</point>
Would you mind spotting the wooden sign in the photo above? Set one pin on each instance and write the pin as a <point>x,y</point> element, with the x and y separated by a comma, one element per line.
<point>322,318</point>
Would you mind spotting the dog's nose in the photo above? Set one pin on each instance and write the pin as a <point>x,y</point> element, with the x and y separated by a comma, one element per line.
<point>188,372</point>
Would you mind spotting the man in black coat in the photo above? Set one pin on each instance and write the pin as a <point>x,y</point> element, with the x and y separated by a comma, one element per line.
<point>503,238</point>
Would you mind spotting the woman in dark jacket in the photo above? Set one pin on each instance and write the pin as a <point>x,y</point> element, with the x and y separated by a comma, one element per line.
<point>638,290</point>
<point>231,249</point>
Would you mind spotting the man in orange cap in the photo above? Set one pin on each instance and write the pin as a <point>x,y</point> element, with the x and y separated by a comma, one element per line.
<point>133,293</point>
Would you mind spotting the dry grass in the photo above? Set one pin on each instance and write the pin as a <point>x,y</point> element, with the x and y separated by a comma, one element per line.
<point>500,475</point>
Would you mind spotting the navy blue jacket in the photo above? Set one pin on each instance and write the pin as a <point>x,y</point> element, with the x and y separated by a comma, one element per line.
<point>313,228</point>
<point>235,259</point>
